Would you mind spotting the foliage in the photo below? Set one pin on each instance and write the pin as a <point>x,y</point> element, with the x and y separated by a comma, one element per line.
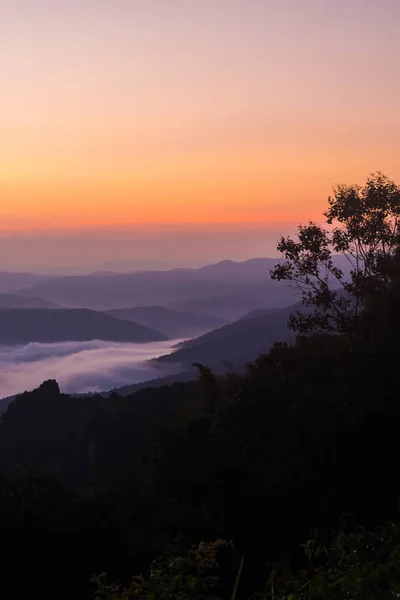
<point>358,565</point>
<point>362,565</point>
<point>364,229</point>
<point>181,573</point>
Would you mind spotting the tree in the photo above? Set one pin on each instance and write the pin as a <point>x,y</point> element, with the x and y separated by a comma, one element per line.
<point>362,565</point>
<point>363,228</point>
<point>203,571</point>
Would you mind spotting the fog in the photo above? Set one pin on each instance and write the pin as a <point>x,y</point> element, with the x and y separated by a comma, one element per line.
<point>79,366</point>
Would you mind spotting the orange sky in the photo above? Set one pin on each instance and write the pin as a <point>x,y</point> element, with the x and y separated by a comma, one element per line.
<point>229,112</point>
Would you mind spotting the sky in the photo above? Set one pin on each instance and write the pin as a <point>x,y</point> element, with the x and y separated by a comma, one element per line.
<point>186,130</point>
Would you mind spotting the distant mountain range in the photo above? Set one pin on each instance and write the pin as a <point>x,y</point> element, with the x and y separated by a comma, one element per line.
<point>15,301</point>
<point>227,289</point>
<point>248,284</point>
<point>172,323</point>
<point>21,326</point>
<point>238,303</point>
<point>233,311</point>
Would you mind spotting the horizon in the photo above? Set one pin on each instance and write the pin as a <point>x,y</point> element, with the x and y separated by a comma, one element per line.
<point>80,252</point>
<point>128,267</point>
<point>184,125</point>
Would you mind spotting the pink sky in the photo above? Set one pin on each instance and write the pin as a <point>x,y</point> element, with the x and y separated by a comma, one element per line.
<point>180,116</point>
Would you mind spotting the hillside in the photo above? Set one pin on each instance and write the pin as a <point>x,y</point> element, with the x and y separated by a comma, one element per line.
<point>190,374</point>
<point>170,322</point>
<point>21,326</point>
<point>15,301</point>
<point>236,342</point>
<point>248,270</point>
<point>238,303</point>
<point>11,282</point>
<point>73,423</point>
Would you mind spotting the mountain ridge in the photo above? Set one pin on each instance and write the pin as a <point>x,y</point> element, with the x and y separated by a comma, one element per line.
<point>169,321</point>
<point>20,326</point>
<point>237,343</point>
<point>165,288</point>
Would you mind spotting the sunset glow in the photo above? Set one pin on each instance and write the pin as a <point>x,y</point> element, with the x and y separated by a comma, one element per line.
<point>152,112</point>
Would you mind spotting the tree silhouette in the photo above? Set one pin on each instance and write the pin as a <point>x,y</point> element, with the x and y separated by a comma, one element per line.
<point>364,227</point>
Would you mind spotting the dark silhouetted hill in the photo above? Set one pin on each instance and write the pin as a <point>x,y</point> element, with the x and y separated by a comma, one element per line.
<point>237,342</point>
<point>260,312</point>
<point>66,435</point>
<point>173,323</point>
<point>20,326</point>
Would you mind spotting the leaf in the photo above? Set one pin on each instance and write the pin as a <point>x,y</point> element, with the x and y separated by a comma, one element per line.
<point>239,573</point>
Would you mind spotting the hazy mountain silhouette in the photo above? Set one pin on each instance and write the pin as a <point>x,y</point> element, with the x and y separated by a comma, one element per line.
<point>15,301</point>
<point>173,323</point>
<point>166,288</point>
<point>229,346</point>
<point>21,326</point>
<point>127,266</point>
<point>237,342</point>
<point>248,270</point>
<point>227,289</point>
<point>11,282</point>
<point>261,312</point>
<point>238,303</point>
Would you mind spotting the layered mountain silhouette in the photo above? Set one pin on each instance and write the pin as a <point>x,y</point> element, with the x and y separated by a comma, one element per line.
<point>21,326</point>
<point>237,342</point>
<point>173,323</point>
<point>228,289</point>
<point>238,303</point>
<point>15,301</point>
<point>11,282</point>
<point>248,284</point>
<point>230,346</point>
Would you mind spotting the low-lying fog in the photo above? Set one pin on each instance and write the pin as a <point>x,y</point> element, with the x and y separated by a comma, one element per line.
<point>79,366</point>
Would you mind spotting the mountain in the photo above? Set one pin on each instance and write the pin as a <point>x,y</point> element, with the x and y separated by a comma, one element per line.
<point>227,289</point>
<point>238,303</point>
<point>127,266</point>
<point>11,282</point>
<point>15,301</point>
<point>5,402</point>
<point>173,323</point>
<point>261,312</point>
<point>166,288</point>
<point>125,390</point>
<point>21,326</point>
<point>248,270</point>
<point>237,342</point>
<point>255,293</point>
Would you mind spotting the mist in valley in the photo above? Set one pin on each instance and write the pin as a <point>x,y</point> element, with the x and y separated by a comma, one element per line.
<point>80,367</point>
